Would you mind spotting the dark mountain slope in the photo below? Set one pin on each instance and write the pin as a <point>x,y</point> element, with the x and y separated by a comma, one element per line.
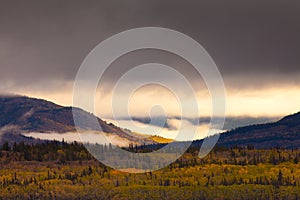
<point>38,115</point>
<point>283,133</point>
<point>20,114</point>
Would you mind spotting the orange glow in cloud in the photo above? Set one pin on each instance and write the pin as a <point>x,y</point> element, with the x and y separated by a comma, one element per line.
<point>277,101</point>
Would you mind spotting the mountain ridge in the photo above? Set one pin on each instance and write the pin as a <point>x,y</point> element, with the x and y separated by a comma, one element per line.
<point>21,114</point>
<point>284,133</point>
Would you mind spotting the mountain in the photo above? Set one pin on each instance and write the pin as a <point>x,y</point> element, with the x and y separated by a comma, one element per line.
<point>284,133</point>
<point>20,115</point>
<point>37,115</point>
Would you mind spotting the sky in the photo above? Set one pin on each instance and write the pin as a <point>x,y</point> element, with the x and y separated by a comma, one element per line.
<point>254,43</point>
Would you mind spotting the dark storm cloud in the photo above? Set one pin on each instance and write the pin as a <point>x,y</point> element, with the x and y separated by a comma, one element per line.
<point>253,42</point>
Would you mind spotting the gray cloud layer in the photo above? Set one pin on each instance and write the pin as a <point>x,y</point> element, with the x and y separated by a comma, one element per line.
<point>253,42</point>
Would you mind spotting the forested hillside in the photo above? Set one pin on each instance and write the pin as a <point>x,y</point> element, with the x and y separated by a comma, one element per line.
<point>67,171</point>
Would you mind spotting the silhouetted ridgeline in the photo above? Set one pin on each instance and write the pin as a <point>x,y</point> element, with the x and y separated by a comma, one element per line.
<point>19,114</point>
<point>284,133</point>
